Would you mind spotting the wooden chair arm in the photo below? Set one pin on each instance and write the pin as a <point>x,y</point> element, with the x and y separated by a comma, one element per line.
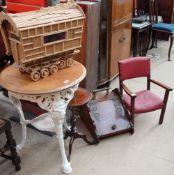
<point>128,91</point>
<point>161,85</point>
<point>132,97</point>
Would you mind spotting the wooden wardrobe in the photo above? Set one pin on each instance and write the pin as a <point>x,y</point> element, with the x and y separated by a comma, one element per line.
<point>115,37</point>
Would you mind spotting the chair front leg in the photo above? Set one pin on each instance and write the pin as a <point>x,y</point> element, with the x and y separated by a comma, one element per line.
<point>148,41</point>
<point>154,40</point>
<point>171,44</point>
<point>164,107</point>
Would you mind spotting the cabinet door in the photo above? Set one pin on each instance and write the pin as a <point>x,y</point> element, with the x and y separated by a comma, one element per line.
<point>115,36</point>
<point>120,45</point>
<point>121,9</point>
<point>120,33</point>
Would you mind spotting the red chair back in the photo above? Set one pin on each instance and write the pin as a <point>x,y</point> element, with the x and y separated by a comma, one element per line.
<point>134,67</point>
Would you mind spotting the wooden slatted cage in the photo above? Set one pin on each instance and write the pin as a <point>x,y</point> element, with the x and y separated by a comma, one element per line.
<point>45,40</point>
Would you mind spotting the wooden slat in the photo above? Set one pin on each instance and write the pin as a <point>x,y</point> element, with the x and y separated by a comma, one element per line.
<point>44,16</point>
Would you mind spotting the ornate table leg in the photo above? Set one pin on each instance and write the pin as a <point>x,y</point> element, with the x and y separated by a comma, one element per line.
<point>73,132</point>
<point>56,104</point>
<point>16,102</point>
<point>59,131</point>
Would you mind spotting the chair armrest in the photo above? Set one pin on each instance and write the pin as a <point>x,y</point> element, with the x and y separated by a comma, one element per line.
<point>128,91</point>
<point>161,85</point>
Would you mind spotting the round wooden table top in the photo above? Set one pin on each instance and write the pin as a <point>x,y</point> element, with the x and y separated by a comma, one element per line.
<point>14,81</point>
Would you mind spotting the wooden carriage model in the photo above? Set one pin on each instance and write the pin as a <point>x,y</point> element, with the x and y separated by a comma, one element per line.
<point>43,41</point>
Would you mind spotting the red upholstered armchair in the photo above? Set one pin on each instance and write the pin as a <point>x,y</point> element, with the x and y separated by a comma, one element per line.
<point>145,100</point>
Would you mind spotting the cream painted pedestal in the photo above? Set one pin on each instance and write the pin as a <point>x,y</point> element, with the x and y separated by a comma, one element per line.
<point>52,94</point>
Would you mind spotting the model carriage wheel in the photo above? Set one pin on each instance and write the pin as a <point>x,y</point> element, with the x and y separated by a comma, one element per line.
<point>61,64</point>
<point>53,69</point>
<point>69,62</point>
<point>21,70</point>
<point>44,72</point>
<point>35,75</point>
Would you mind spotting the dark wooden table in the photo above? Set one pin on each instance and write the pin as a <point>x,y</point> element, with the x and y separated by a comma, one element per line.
<point>140,38</point>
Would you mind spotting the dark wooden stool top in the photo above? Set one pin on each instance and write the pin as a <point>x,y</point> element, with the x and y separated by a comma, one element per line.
<point>81,97</point>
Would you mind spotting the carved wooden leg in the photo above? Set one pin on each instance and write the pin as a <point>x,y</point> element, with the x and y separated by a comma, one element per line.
<point>146,42</point>
<point>16,102</point>
<point>154,40</point>
<point>12,146</point>
<point>135,45</point>
<point>73,133</point>
<point>171,44</point>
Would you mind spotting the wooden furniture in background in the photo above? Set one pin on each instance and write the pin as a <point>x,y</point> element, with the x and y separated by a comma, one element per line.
<point>115,37</point>
<point>173,13</point>
<point>159,27</point>
<point>165,9</point>
<point>5,127</point>
<point>140,38</point>
<point>52,94</point>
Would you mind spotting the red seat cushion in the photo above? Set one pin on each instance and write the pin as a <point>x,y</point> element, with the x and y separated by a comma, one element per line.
<point>145,101</point>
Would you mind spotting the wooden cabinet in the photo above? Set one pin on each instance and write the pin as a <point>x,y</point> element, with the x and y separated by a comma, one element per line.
<point>115,36</point>
<point>120,45</point>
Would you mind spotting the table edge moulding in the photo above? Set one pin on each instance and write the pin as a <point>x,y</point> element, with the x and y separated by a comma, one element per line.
<point>52,94</point>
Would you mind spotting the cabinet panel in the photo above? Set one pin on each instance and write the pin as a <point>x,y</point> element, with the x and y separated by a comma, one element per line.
<point>120,45</point>
<point>115,37</point>
<point>121,8</point>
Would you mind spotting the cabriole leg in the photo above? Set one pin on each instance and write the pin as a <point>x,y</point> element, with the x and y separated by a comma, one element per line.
<point>16,102</point>
<point>58,118</point>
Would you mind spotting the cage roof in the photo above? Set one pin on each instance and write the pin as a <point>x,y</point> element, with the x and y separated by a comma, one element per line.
<point>44,16</point>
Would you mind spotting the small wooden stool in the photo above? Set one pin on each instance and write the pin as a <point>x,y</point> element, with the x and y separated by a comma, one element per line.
<point>81,97</point>
<point>5,126</point>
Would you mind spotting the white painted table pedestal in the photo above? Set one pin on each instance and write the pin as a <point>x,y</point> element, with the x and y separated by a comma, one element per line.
<point>56,104</point>
<point>52,94</point>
